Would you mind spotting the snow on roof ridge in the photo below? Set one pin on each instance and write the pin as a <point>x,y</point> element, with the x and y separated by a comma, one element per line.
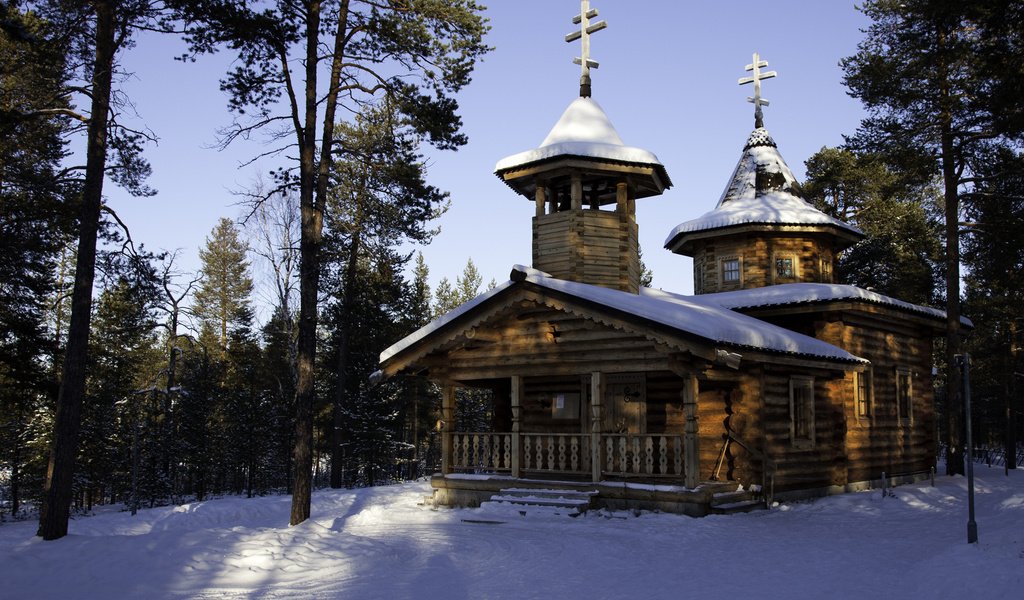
<point>688,313</point>
<point>802,293</point>
<point>691,314</point>
<point>584,129</point>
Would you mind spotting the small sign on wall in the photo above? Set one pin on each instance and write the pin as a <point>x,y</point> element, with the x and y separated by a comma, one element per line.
<point>565,405</point>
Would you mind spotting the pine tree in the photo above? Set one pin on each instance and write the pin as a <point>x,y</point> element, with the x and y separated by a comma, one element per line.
<point>224,294</point>
<point>918,72</point>
<point>414,56</point>
<point>96,32</point>
<point>900,255</point>
<point>35,223</point>
<point>994,255</point>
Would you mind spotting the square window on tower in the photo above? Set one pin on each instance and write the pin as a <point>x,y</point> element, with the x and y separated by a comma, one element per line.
<point>785,267</point>
<point>731,270</point>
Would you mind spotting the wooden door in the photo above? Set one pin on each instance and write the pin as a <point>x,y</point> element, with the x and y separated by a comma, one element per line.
<point>625,405</point>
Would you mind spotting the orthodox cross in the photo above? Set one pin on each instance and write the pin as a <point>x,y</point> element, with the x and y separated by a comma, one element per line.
<point>583,20</point>
<point>758,101</point>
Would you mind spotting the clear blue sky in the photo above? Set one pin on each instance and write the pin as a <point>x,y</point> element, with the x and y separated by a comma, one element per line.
<point>667,79</point>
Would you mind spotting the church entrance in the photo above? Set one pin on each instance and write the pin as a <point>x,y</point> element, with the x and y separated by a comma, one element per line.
<point>625,404</point>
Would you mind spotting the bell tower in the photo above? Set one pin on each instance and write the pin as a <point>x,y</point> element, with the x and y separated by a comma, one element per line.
<point>762,232</point>
<point>584,182</point>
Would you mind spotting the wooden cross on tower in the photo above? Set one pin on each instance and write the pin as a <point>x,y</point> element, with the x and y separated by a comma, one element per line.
<point>583,20</point>
<point>758,101</point>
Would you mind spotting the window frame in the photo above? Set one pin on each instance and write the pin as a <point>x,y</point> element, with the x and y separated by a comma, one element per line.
<point>905,417</point>
<point>864,396</point>
<point>795,416</point>
<point>722,281</point>
<point>795,276</point>
<point>825,272</point>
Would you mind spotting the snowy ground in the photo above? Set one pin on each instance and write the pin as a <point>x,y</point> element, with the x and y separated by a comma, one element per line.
<point>378,543</point>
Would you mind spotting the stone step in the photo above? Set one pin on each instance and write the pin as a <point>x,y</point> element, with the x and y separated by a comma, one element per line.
<point>545,493</point>
<point>499,511</point>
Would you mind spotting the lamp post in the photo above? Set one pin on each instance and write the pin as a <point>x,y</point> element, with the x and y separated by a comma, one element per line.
<point>964,362</point>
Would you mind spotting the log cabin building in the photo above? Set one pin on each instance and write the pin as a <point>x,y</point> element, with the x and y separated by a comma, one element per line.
<point>772,377</point>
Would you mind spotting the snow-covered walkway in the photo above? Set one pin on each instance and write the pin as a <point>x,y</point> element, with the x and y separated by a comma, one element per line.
<point>378,543</point>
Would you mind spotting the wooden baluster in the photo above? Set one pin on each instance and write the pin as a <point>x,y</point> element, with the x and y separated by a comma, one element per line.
<point>585,453</point>
<point>610,454</point>
<point>455,441</point>
<point>561,453</point>
<point>508,451</point>
<point>551,452</point>
<point>466,441</point>
<point>574,453</point>
<point>475,451</point>
<point>539,441</point>
<point>662,455</point>
<point>649,454</point>
<point>623,465</point>
<point>636,454</point>
<point>527,452</point>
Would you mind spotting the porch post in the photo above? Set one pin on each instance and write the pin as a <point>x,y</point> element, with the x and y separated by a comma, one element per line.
<point>516,400</point>
<point>596,397</point>
<point>448,421</point>
<point>691,445</point>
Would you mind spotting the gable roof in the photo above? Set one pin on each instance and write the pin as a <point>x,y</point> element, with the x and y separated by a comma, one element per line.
<point>690,316</point>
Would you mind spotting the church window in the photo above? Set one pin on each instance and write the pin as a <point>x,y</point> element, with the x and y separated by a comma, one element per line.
<point>801,411</point>
<point>862,387</point>
<point>785,267</point>
<point>826,270</point>
<point>904,395</point>
<point>730,270</point>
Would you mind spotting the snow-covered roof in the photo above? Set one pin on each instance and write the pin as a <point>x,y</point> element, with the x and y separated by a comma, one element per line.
<point>807,293</point>
<point>762,191</point>
<point>687,314</point>
<point>583,130</point>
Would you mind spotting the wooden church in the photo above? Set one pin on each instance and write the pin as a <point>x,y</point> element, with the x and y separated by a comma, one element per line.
<point>771,379</point>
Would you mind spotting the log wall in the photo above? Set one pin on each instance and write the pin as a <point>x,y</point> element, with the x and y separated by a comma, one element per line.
<point>814,256</point>
<point>589,246</point>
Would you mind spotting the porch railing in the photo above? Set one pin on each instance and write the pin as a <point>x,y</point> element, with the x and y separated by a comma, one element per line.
<point>482,452</point>
<point>622,455</point>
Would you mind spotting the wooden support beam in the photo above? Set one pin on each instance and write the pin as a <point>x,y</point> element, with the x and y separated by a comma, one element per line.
<point>596,398</point>
<point>541,199</point>
<point>622,197</point>
<point>691,445</point>
<point>576,191</point>
<point>516,401</point>
<point>448,426</point>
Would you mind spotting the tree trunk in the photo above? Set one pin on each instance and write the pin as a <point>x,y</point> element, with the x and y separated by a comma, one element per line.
<point>57,493</point>
<point>954,416</point>
<point>309,281</point>
<point>312,199</point>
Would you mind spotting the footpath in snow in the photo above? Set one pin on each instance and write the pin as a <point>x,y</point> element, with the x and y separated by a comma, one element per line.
<point>379,543</point>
